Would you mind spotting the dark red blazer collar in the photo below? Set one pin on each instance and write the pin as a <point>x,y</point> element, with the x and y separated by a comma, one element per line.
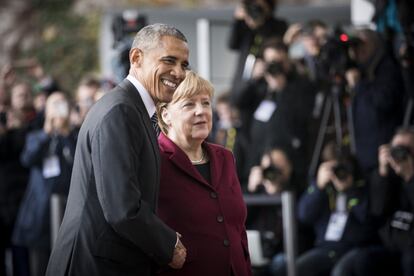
<point>183,163</point>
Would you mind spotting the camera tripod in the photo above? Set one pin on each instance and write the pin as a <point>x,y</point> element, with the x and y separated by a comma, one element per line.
<point>332,103</point>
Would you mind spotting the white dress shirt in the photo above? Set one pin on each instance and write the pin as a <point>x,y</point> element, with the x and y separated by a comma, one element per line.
<point>145,96</point>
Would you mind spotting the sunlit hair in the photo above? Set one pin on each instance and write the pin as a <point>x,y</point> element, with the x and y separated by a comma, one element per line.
<point>191,86</point>
<point>150,36</point>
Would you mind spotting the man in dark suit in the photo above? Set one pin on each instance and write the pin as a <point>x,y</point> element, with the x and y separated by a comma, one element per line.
<point>110,226</point>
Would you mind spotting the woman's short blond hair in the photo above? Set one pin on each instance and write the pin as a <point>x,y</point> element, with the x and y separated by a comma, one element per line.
<point>192,85</point>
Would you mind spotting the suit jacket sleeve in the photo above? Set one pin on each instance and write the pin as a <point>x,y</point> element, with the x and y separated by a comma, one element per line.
<point>116,145</point>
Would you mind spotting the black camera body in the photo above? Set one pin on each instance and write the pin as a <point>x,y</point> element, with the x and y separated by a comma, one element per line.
<point>127,23</point>
<point>400,153</point>
<point>3,118</point>
<point>124,26</point>
<point>272,173</point>
<point>254,10</point>
<point>334,58</point>
<point>343,169</point>
<point>275,68</point>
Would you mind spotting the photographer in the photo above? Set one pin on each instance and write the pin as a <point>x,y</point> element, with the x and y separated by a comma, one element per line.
<point>336,206</point>
<point>226,132</point>
<point>86,94</point>
<point>274,174</point>
<point>392,198</point>
<point>253,23</point>
<point>48,154</point>
<point>271,177</point>
<point>313,35</point>
<point>268,104</point>
<point>15,123</point>
<point>377,89</point>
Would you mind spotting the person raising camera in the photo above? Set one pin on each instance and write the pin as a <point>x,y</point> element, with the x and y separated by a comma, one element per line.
<point>392,199</point>
<point>274,175</point>
<point>336,207</point>
<point>269,110</point>
<point>253,23</point>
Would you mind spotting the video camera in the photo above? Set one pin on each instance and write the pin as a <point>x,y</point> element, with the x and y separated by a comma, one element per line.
<point>334,58</point>
<point>127,23</point>
<point>124,25</point>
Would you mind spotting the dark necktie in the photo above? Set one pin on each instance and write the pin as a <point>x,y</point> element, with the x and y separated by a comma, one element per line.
<point>154,121</point>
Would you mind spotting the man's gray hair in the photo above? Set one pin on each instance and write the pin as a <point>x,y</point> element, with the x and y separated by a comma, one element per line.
<point>150,36</point>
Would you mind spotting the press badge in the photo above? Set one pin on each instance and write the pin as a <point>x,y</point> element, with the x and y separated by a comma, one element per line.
<point>336,226</point>
<point>265,111</point>
<point>51,166</point>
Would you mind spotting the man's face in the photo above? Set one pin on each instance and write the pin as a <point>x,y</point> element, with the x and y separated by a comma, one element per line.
<point>364,50</point>
<point>405,140</point>
<point>20,97</point>
<point>161,69</point>
<point>85,98</point>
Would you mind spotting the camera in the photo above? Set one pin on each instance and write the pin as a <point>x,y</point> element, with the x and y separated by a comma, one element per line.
<point>400,153</point>
<point>127,23</point>
<point>334,56</point>
<point>342,170</point>
<point>275,68</point>
<point>272,173</point>
<point>254,10</point>
<point>3,118</point>
<point>61,109</point>
<point>124,26</point>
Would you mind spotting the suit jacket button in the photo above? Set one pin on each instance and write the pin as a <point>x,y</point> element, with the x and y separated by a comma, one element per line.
<point>226,243</point>
<point>220,219</point>
<point>213,195</point>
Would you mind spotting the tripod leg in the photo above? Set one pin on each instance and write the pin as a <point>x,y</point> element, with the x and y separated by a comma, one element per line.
<point>351,129</point>
<point>320,138</point>
<point>408,112</point>
<point>337,116</point>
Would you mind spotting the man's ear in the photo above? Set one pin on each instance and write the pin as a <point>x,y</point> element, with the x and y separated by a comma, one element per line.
<point>135,57</point>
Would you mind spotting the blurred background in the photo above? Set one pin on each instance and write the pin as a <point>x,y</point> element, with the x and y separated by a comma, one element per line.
<point>310,96</point>
<point>79,33</point>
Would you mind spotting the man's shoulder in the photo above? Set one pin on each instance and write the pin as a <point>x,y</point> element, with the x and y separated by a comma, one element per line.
<point>111,105</point>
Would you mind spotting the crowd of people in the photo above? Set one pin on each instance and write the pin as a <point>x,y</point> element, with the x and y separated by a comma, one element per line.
<point>355,212</point>
<point>38,133</point>
<point>304,84</point>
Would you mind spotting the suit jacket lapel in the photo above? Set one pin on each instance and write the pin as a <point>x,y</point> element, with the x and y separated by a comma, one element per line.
<point>181,161</point>
<point>136,99</point>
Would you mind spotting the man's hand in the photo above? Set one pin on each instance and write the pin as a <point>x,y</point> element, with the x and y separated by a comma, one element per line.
<point>352,77</point>
<point>384,159</point>
<point>255,178</point>
<point>240,12</point>
<point>325,174</point>
<point>180,253</point>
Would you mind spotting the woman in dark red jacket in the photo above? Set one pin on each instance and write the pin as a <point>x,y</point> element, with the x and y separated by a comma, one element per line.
<point>200,195</point>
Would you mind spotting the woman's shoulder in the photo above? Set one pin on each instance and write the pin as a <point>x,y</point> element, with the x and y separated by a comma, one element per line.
<point>219,149</point>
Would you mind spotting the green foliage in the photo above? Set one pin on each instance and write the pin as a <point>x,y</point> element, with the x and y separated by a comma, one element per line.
<point>68,47</point>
